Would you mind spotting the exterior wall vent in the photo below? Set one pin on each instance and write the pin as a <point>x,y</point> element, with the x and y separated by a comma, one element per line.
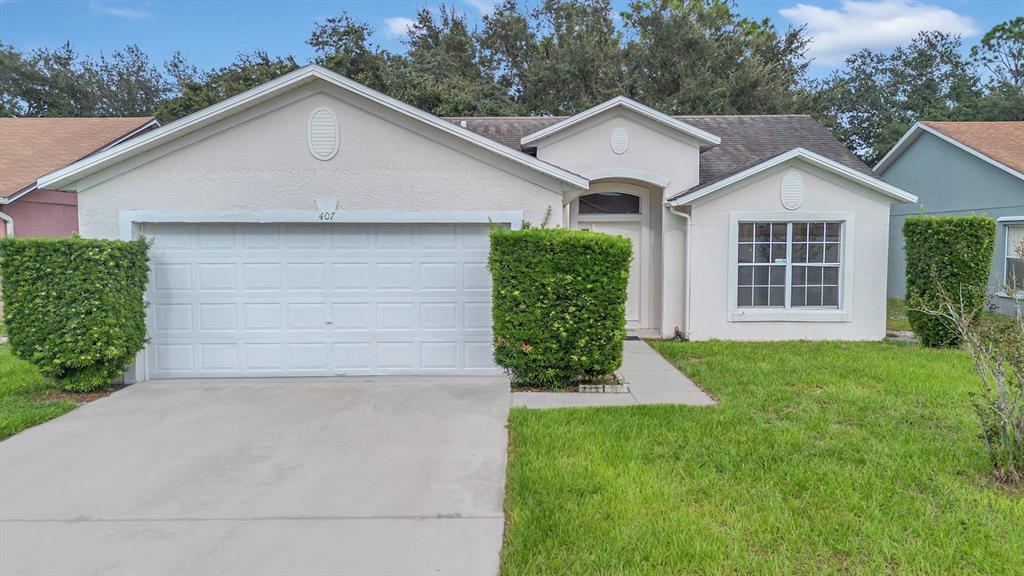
<point>323,134</point>
<point>792,190</point>
<point>620,140</point>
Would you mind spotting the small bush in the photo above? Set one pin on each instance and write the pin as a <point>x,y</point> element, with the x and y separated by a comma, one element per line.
<point>949,255</point>
<point>559,304</point>
<point>74,307</point>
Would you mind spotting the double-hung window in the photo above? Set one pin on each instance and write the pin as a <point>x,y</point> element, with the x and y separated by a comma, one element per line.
<point>789,265</point>
<point>1013,273</point>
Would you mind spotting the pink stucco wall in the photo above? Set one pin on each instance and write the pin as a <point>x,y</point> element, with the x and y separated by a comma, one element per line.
<point>44,213</point>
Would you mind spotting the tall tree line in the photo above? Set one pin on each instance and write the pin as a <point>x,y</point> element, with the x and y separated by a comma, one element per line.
<point>562,56</point>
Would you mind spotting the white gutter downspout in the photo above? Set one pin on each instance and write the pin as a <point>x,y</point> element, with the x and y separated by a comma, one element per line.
<point>689,244</point>
<point>8,221</point>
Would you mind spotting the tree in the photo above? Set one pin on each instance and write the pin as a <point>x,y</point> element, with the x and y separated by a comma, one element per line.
<point>872,102</point>
<point>701,57</point>
<point>197,90</point>
<point>442,70</point>
<point>129,85</point>
<point>342,44</point>
<point>1001,50</point>
<point>561,58</point>
<point>57,82</point>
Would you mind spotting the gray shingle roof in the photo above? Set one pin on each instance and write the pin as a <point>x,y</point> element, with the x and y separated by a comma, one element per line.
<point>746,140</point>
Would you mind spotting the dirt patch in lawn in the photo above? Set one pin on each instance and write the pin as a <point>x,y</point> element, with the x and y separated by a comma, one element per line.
<point>80,398</point>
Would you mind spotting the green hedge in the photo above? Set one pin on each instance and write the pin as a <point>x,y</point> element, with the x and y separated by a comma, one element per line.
<point>947,256</point>
<point>559,301</point>
<point>74,307</point>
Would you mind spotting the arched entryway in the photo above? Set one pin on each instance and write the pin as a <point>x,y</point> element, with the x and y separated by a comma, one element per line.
<point>624,209</point>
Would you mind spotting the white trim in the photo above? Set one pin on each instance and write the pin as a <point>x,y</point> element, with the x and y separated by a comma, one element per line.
<point>1007,222</point>
<point>705,138</point>
<point>8,224</point>
<point>915,131</point>
<point>128,219</point>
<point>811,158</point>
<point>1010,219</point>
<point>153,123</point>
<point>629,174</point>
<point>846,266</point>
<point>78,170</point>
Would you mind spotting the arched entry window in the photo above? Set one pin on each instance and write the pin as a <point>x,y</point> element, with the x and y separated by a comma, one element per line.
<point>609,203</point>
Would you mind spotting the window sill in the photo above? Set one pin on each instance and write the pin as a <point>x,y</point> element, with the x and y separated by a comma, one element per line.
<point>791,315</point>
<point>1004,294</point>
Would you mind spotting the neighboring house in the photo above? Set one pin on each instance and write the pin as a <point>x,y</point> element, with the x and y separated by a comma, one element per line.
<point>961,168</point>
<point>313,226</point>
<point>31,147</point>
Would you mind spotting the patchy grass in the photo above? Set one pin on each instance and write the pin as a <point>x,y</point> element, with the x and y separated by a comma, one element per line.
<point>896,316</point>
<point>22,389</point>
<point>822,458</point>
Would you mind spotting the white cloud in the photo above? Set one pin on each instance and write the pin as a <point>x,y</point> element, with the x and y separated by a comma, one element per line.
<point>877,25</point>
<point>483,6</point>
<point>120,11</point>
<point>398,26</point>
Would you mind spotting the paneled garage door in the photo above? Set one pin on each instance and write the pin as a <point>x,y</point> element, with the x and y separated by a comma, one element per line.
<point>328,299</point>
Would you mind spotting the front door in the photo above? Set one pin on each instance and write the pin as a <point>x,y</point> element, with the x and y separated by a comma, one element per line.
<point>620,209</point>
<point>631,231</point>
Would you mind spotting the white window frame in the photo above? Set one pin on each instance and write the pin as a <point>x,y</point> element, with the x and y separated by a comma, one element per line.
<point>1007,222</point>
<point>797,314</point>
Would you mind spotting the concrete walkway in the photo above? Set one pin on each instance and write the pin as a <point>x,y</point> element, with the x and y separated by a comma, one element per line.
<point>326,476</point>
<point>651,380</point>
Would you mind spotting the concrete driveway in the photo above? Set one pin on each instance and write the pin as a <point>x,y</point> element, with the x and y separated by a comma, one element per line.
<point>274,477</point>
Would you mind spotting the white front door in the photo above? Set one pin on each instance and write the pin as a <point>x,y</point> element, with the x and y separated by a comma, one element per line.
<point>229,300</point>
<point>633,232</point>
<point>621,209</point>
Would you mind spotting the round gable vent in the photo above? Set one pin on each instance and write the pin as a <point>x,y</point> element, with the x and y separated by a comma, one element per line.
<point>323,134</point>
<point>620,140</point>
<point>792,190</point>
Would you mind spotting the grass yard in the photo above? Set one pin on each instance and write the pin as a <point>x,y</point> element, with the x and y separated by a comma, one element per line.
<point>822,458</point>
<point>20,388</point>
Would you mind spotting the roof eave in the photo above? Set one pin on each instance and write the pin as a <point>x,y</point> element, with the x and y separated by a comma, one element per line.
<point>706,139</point>
<point>917,129</point>
<point>812,158</point>
<point>101,160</point>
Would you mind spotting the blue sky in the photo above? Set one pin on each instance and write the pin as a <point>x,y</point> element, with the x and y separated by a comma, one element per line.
<point>212,33</point>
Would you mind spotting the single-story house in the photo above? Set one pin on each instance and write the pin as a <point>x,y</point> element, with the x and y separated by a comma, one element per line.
<point>961,168</point>
<point>32,147</point>
<point>314,226</point>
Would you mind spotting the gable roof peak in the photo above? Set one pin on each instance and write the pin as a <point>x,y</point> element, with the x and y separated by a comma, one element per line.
<point>706,139</point>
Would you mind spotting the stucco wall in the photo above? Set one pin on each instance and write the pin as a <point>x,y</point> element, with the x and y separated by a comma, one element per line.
<point>950,182</point>
<point>44,213</point>
<point>586,150</point>
<point>264,163</point>
<point>823,193</point>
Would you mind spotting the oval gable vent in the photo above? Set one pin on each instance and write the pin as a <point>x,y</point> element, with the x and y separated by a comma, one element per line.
<point>323,134</point>
<point>792,191</point>
<point>620,140</point>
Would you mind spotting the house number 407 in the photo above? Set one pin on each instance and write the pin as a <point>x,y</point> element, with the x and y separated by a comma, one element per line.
<point>327,216</point>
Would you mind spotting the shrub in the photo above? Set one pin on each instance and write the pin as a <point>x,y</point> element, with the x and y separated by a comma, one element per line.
<point>74,307</point>
<point>559,304</point>
<point>949,255</point>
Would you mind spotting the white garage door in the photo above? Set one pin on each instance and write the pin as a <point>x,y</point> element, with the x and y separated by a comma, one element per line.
<point>308,300</point>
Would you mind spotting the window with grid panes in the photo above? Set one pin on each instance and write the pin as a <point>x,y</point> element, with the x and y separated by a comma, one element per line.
<point>788,264</point>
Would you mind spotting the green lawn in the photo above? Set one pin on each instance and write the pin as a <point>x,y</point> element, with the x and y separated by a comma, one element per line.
<point>896,315</point>
<point>822,458</point>
<point>20,385</point>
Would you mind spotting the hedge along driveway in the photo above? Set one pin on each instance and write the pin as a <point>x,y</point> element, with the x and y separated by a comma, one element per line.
<point>74,307</point>
<point>558,307</point>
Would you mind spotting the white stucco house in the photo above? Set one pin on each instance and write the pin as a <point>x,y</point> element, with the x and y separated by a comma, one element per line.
<point>313,226</point>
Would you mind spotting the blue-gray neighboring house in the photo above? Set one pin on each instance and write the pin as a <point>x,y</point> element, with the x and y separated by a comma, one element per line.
<point>961,168</point>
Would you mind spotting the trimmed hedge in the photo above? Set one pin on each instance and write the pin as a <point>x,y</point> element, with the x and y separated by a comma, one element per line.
<point>74,307</point>
<point>947,256</point>
<point>559,304</point>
